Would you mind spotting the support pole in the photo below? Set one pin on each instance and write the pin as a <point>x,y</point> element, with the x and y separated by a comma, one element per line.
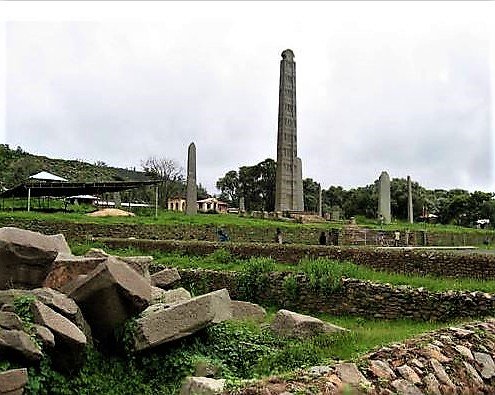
<point>156,201</point>
<point>29,199</point>
<point>320,202</point>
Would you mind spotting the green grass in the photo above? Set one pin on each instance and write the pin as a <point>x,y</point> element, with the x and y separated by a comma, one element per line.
<point>164,218</point>
<point>146,217</point>
<point>238,350</point>
<point>322,272</point>
<point>418,226</point>
<point>367,334</point>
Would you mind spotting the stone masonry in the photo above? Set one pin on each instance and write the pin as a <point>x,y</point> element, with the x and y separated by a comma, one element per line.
<point>289,187</point>
<point>192,194</point>
<point>384,197</point>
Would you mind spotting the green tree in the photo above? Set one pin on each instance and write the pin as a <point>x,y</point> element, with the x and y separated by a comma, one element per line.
<point>229,187</point>
<point>255,183</point>
<point>311,193</point>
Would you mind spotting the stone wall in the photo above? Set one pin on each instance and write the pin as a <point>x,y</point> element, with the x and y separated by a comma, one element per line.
<point>421,262</point>
<point>304,235</point>
<point>454,360</point>
<point>353,297</point>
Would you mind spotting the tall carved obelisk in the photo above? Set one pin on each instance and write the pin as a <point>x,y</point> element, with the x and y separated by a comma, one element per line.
<point>191,194</point>
<point>289,186</point>
<point>410,214</point>
<point>384,197</point>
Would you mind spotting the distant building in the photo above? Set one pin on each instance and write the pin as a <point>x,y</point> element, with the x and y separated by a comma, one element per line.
<point>212,204</point>
<point>205,205</point>
<point>176,204</point>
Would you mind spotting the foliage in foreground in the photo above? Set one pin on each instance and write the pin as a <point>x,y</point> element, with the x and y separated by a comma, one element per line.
<point>240,350</point>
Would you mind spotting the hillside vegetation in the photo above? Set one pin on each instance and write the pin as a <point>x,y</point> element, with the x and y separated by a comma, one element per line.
<point>16,165</point>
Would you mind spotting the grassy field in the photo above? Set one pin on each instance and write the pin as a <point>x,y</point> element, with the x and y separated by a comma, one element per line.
<point>368,334</point>
<point>146,217</point>
<point>164,218</point>
<point>222,260</point>
<point>237,350</point>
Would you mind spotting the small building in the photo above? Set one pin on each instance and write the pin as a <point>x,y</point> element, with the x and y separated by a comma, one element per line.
<point>205,205</point>
<point>212,204</point>
<point>86,199</point>
<point>176,204</point>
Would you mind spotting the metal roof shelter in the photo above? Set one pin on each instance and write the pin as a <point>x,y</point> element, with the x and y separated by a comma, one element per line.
<point>38,188</point>
<point>45,176</point>
<point>63,189</point>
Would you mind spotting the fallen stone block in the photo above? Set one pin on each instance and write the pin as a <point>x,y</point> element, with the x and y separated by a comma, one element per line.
<point>159,295</point>
<point>247,311</point>
<point>8,296</point>
<point>44,334</point>
<point>165,278</point>
<point>64,305</point>
<point>60,244</point>
<point>167,323</point>
<point>69,339</point>
<point>110,295</point>
<point>66,268</point>
<point>202,386</point>
<point>96,253</point>
<point>12,382</point>
<point>10,320</point>
<point>19,344</point>
<point>138,263</point>
<point>289,324</point>
<point>26,257</point>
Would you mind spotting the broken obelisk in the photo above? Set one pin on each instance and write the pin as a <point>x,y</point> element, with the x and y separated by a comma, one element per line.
<point>384,197</point>
<point>192,193</point>
<point>288,185</point>
<point>410,214</point>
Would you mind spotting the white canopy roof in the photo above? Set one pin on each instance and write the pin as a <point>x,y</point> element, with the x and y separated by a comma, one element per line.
<point>44,175</point>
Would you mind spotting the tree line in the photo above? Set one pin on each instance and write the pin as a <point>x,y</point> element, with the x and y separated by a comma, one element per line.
<point>456,206</point>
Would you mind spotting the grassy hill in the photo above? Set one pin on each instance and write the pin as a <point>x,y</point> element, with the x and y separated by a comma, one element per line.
<point>16,165</point>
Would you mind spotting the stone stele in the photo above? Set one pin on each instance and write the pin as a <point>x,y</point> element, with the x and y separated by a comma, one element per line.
<point>384,197</point>
<point>192,193</point>
<point>288,185</point>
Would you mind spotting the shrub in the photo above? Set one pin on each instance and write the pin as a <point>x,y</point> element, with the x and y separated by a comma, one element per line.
<point>291,288</point>
<point>254,278</point>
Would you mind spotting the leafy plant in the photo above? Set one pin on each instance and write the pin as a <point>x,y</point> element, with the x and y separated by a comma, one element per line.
<point>254,277</point>
<point>291,287</point>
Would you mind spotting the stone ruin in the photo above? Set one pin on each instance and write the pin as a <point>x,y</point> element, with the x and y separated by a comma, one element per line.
<point>74,300</point>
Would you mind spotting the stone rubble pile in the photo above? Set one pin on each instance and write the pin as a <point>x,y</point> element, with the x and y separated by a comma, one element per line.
<point>73,299</point>
<point>455,360</point>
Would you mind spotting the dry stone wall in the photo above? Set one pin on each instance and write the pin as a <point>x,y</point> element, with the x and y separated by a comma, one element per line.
<point>353,297</point>
<point>421,262</point>
<point>304,235</point>
<point>455,360</point>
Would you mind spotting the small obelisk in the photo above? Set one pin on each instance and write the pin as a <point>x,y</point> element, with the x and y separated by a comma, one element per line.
<point>192,193</point>
<point>410,213</point>
<point>288,184</point>
<point>384,197</point>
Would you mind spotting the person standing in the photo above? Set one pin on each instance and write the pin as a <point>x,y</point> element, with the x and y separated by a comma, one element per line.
<point>396,238</point>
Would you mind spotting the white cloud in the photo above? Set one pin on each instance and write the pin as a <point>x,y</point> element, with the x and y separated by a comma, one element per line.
<point>397,86</point>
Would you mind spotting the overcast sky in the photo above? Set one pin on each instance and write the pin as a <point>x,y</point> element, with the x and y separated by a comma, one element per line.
<point>405,87</point>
